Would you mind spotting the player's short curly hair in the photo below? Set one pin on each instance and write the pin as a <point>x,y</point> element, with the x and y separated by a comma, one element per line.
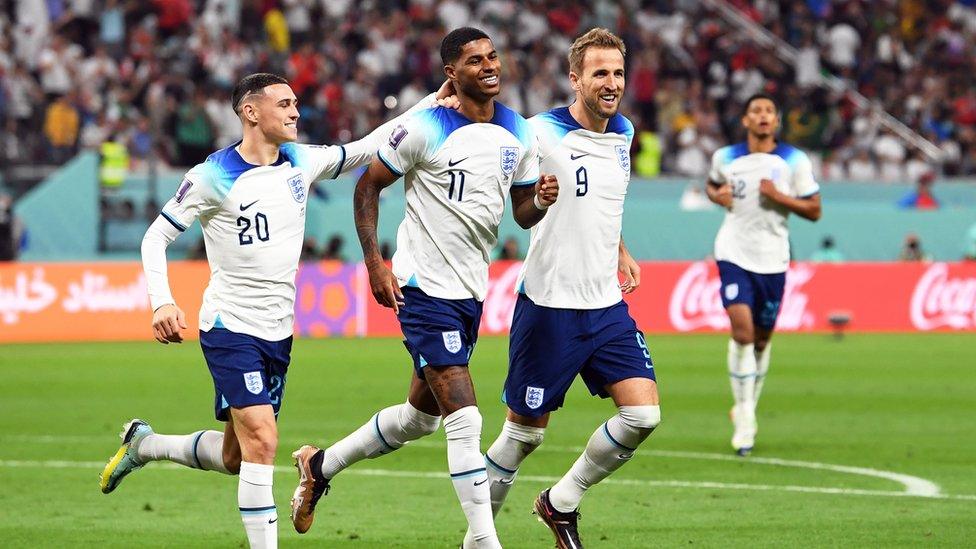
<point>594,38</point>
<point>455,40</point>
<point>253,83</point>
<point>756,96</point>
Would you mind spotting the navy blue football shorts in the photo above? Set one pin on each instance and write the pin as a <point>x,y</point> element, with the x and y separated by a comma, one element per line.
<point>246,370</point>
<point>438,332</point>
<point>763,293</point>
<point>548,347</point>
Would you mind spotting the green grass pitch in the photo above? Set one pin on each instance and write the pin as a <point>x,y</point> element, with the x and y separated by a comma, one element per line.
<point>882,405</point>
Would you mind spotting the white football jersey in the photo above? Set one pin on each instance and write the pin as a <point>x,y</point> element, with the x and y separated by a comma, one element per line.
<point>253,220</point>
<point>754,234</point>
<point>457,175</point>
<point>572,258</point>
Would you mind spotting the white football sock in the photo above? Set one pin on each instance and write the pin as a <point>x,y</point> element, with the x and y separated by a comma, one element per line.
<point>742,377</point>
<point>609,447</point>
<point>468,474</point>
<point>200,450</point>
<point>513,445</point>
<point>388,430</point>
<point>762,368</point>
<point>256,503</point>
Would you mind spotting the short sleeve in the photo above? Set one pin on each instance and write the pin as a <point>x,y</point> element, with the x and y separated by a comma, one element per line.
<point>404,148</point>
<point>715,174</point>
<point>194,198</point>
<point>317,162</point>
<point>804,184</point>
<point>527,172</point>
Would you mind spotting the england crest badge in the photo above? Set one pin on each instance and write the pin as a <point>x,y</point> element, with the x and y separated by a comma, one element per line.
<point>509,159</point>
<point>533,397</point>
<point>252,380</point>
<point>297,187</point>
<point>623,157</point>
<point>452,341</point>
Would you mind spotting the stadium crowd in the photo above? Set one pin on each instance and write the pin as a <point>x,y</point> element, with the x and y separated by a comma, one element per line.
<point>155,75</point>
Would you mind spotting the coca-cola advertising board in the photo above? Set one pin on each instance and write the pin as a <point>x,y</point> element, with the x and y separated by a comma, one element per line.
<point>107,301</point>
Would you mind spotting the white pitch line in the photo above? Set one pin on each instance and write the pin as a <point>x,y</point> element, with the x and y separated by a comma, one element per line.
<point>282,469</point>
<point>914,486</point>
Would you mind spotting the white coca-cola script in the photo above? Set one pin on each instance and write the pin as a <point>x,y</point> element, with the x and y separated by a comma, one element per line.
<point>940,300</point>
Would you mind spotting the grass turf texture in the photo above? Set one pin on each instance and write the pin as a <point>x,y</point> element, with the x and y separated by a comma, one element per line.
<point>901,403</point>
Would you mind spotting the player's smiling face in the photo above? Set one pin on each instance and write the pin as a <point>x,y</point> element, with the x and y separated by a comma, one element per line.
<point>761,118</point>
<point>275,112</point>
<point>477,71</point>
<point>600,82</point>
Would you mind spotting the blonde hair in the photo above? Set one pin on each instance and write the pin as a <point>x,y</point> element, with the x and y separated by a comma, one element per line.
<point>594,38</point>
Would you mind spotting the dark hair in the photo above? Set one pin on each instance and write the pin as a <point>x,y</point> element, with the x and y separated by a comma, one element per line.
<point>253,83</point>
<point>456,39</point>
<point>755,96</point>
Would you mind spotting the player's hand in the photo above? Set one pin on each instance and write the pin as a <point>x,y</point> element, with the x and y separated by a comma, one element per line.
<point>767,189</point>
<point>384,286</point>
<point>723,196</point>
<point>447,97</point>
<point>547,190</point>
<point>167,322</point>
<point>628,267</point>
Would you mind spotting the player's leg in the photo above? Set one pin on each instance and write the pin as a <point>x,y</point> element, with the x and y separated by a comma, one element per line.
<point>738,295</point>
<point>257,433</point>
<point>386,431</point>
<point>769,296</point>
<point>454,391</point>
<point>620,368</point>
<point>763,352</point>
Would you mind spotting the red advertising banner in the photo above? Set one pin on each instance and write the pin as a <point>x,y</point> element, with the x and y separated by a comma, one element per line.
<point>108,301</point>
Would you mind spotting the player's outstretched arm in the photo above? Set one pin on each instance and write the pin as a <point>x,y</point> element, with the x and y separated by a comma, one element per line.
<point>628,267</point>
<point>366,199</point>
<point>807,207</point>
<point>719,193</point>
<point>168,319</point>
<point>529,203</point>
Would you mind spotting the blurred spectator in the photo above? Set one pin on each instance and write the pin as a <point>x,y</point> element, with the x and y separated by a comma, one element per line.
<point>310,250</point>
<point>510,250</point>
<point>921,198</point>
<point>693,199</point>
<point>386,250</point>
<point>827,253</point>
<point>10,229</point>
<point>333,248</point>
<point>911,250</point>
<point>687,69</point>
<point>61,129</point>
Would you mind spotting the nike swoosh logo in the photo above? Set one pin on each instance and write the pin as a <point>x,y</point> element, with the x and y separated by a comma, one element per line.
<point>451,163</point>
<point>272,521</point>
<point>577,156</point>
<point>243,207</point>
<point>506,481</point>
<point>482,482</point>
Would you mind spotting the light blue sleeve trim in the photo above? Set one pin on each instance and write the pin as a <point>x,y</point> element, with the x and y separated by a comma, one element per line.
<point>388,165</point>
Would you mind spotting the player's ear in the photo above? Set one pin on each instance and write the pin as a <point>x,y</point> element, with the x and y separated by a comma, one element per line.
<point>249,113</point>
<point>574,81</point>
<point>450,72</point>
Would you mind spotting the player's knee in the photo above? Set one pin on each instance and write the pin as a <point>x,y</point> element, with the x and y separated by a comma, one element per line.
<point>415,423</point>
<point>644,419</point>
<point>743,335</point>
<point>261,445</point>
<point>529,437</point>
<point>761,344</point>
<point>464,423</point>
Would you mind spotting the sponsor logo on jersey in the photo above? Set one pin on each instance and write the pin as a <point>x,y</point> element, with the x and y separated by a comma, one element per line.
<point>940,300</point>
<point>533,397</point>
<point>623,157</point>
<point>184,188</point>
<point>397,136</point>
<point>252,380</point>
<point>452,341</point>
<point>509,159</point>
<point>297,187</point>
